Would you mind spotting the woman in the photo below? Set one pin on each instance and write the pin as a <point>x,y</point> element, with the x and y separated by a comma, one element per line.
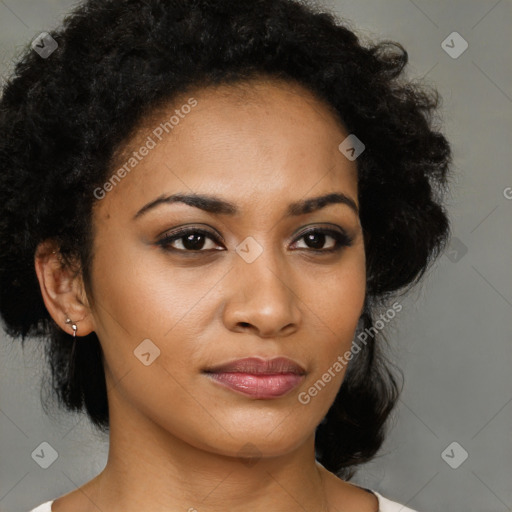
<point>204,205</point>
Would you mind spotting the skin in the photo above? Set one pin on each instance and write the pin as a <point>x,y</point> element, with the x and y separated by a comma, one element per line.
<point>175,436</point>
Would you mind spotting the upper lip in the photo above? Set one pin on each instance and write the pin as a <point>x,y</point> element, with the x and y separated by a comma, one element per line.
<point>257,365</point>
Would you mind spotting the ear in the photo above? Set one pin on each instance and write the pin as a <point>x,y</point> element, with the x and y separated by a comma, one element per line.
<point>63,290</point>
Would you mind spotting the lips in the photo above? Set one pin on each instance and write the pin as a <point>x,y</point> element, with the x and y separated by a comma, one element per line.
<point>258,378</point>
<point>258,366</point>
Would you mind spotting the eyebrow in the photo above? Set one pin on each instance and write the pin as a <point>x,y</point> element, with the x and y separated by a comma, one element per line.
<point>219,206</point>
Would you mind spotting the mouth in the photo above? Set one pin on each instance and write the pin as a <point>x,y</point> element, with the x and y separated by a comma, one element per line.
<point>258,378</point>
<point>259,366</point>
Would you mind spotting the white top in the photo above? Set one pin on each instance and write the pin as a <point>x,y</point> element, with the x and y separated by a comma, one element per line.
<point>385,505</point>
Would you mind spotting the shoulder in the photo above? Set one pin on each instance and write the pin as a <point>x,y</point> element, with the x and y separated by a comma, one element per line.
<point>386,505</point>
<point>44,507</point>
<point>368,500</point>
<point>357,499</point>
<point>352,497</point>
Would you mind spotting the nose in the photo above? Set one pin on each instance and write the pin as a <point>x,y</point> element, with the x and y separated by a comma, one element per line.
<point>262,298</point>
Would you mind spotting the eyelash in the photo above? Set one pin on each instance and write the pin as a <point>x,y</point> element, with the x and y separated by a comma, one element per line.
<point>341,240</point>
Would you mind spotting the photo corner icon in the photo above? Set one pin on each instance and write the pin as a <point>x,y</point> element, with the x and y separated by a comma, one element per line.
<point>454,45</point>
<point>456,250</point>
<point>146,352</point>
<point>45,455</point>
<point>44,44</point>
<point>249,454</point>
<point>454,455</point>
<point>249,249</point>
<point>351,147</point>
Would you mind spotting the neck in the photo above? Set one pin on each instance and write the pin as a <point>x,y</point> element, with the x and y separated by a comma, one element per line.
<point>150,469</point>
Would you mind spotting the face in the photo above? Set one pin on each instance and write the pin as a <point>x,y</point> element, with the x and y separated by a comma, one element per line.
<point>179,288</point>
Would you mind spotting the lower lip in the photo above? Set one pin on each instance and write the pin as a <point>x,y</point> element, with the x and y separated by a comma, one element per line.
<point>258,386</point>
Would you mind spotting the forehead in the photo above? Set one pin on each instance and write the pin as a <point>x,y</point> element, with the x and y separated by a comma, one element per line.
<point>273,98</point>
<point>238,140</point>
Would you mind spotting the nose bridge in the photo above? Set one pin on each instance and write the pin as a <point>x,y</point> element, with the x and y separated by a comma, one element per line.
<point>261,267</point>
<point>263,292</point>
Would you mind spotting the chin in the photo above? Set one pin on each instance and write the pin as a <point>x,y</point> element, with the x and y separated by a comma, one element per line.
<point>273,442</point>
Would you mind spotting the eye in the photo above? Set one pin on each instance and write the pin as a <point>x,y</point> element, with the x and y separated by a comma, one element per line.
<point>195,240</point>
<point>189,240</point>
<point>316,238</point>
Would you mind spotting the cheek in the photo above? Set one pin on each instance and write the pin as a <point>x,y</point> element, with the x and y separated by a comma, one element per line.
<point>140,296</point>
<point>139,293</point>
<point>339,297</point>
<point>337,305</point>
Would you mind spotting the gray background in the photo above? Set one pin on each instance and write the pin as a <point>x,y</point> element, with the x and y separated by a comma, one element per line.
<point>452,337</point>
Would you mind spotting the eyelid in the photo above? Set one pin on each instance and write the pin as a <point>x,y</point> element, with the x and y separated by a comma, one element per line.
<point>341,236</point>
<point>191,228</point>
<point>324,227</point>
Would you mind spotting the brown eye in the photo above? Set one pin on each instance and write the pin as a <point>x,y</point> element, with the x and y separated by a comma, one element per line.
<point>194,240</point>
<point>190,240</point>
<point>315,240</point>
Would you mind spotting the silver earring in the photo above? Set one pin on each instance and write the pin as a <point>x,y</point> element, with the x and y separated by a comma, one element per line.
<point>73,326</point>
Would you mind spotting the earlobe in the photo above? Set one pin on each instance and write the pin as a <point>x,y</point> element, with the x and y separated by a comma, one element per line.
<point>60,291</point>
<point>73,326</point>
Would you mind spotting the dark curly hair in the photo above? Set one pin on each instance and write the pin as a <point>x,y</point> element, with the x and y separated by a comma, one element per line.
<point>62,119</point>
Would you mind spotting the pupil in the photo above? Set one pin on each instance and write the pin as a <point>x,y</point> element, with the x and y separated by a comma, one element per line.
<point>188,242</point>
<point>320,240</point>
